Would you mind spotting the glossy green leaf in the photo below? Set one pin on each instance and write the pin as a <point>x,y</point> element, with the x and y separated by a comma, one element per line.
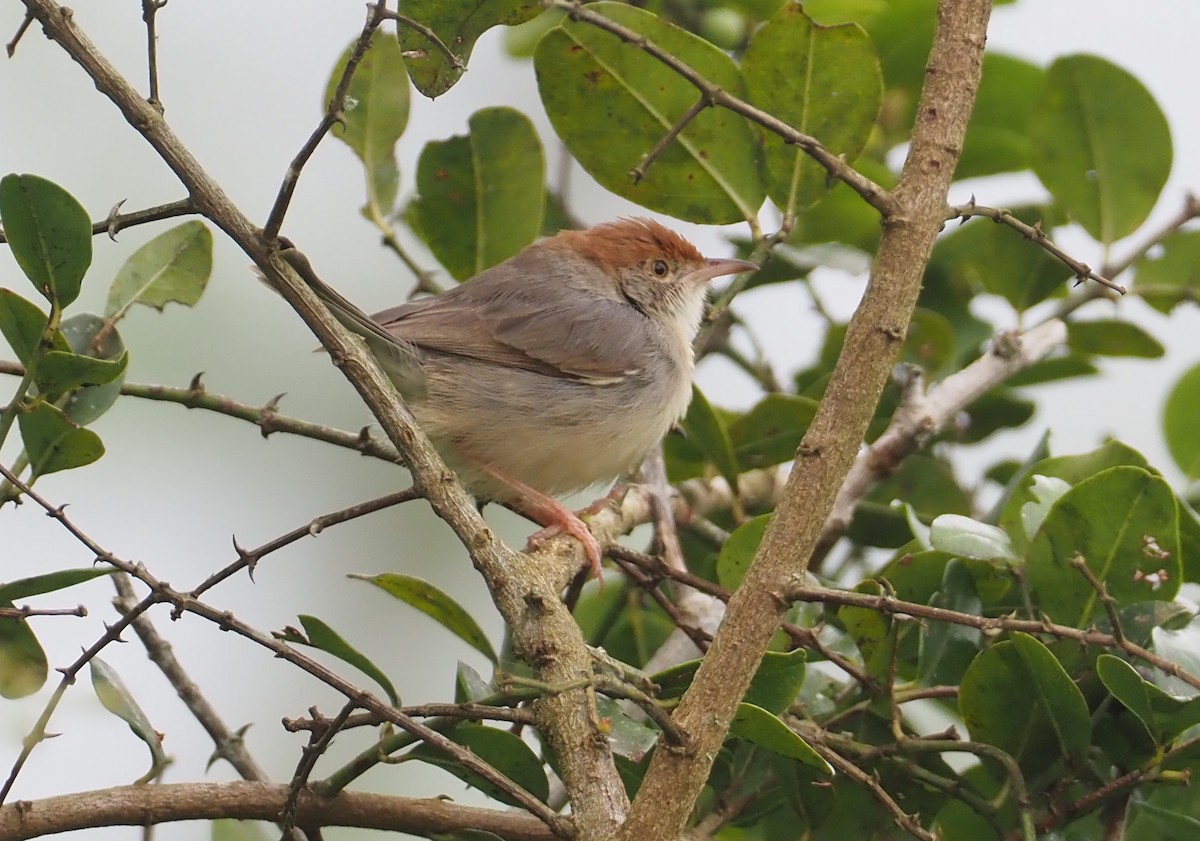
<point>53,442</point>
<point>771,431</point>
<point>49,233</point>
<point>968,538</point>
<point>627,736</point>
<point>375,114</point>
<point>1125,525</point>
<point>458,23</point>
<point>116,698</point>
<point>1164,715</point>
<point>777,682</point>
<point>995,258</point>
<point>998,135</point>
<point>756,725</point>
<point>90,334</point>
<point>774,686</point>
<point>1170,274</point>
<point>842,215</point>
<point>1179,422</point>
<point>1017,696</point>
<point>1180,646</point>
<point>469,685</point>
<point>704,429</point>
<point>22,324</point>
<point>23,665</point>
<point>481,195</point>
<point>50,582</point>
<point>322,637</point>
<point>435,604</point>
<point>947,649</point>
<point>1045,491</point>
<point>174,266</point>
<point>1101,145</point>
<point>60,371</point>
<point>824,81</point>
<point>708,174</point>
<point>504,751</point>
<point>873,632</point>
<point>739,550</point>
<point>1112,337</point>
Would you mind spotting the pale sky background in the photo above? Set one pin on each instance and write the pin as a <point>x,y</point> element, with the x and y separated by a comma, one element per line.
<point>242,82</point>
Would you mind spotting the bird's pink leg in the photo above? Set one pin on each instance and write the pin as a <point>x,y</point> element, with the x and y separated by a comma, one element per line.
<point>553,515</point>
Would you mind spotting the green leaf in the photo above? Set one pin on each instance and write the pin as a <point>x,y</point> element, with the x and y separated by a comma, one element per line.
<point>481,195</point>
<point>777,681</point>
<point>23,665</point>
<point>115,697</point>
<point>90,334</point>
<point>771,431</point>
<point>756,725</point>
<point>627,737</point>
<point>708,174</point>
<point>947,649</point>
<point>49,233</point>
<point>824,81</point>
<point>739,550</point>
<point>1179,422</point>
<point>1101,145</point>
<point>1125,524</point>
<point>22,324</point>
<point>1170,274</point>
<point>458,23</point>
<point>1164,715</point>
<point>50,582</point>
<point>1017,696</point>
<point>320,636</point>
<point>704,429</point>
<point>375,114</point>
<point>53,442</point>
<point>873,632</point>
<point>774,687</point>
<point>929,343</point>
<point>61,371</point>
<point>1112,337</point>
<point>435,604</point>
<point>174,266</point>
<point>1046,491</point>
<point>998,135</point>
<point>967,538</point>
<point>504,751</point>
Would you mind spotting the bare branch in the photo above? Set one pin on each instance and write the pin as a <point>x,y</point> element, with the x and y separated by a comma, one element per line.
<point>1035,234</point>
<point>135,805</point>
<point>639,171</point>
<point>149,15</point>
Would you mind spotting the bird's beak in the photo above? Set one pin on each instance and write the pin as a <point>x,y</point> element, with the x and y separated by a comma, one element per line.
<point>719,267</point>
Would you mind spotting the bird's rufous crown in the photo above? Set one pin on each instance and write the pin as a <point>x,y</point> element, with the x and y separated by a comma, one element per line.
<point>627,242</point>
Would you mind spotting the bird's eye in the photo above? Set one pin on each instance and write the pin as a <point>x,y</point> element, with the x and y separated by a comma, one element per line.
<point>660,268</point>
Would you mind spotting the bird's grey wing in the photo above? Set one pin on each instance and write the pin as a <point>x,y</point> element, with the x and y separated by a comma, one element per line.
<point>553,330</point>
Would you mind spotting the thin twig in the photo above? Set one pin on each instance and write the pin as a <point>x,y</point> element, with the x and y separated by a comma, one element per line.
<point>247,559</point>
<point>470,711</point>
<point>1035,234</point>
<point>266,417</point>
<point>11,46</point>
<point>149,14</point>
<point>989,624</point>
<point>333,114</point>
<point>116,221</point>
<point>317,745</point>
<point>25,611</point>
<point>1110,604</point>
<point>639,171</point>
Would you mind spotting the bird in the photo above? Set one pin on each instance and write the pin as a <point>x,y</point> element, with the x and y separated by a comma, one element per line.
<point>552,371</point>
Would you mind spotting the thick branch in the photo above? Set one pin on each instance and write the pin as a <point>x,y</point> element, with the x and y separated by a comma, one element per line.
<point>148,805</point>
<point>675,779</point>
<point>524,589</point>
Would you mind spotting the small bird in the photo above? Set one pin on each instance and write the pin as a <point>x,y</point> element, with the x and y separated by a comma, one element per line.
<point>555,370</point>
